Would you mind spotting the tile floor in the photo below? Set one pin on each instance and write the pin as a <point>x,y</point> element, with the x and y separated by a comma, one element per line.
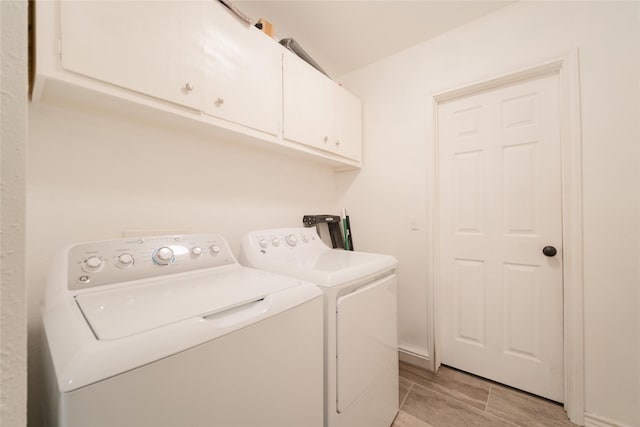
<point>454,398</point>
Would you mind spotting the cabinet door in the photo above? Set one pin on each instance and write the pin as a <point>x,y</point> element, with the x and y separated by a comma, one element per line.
<point>243,71</point>
<point>307,104</point>
<point>347,124</point>
<point>151,47</point>
<point>320,113</point>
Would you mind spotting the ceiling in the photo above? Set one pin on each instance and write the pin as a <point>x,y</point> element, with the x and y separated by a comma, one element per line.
<point>345,35</point>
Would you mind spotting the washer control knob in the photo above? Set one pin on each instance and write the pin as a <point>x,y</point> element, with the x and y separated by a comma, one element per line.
<point>292,240</point>
<point>215,249</point>
<point>124,260</point>
<point>305,238</point>
<point>196,251</point>
<point>163,256</point>
<point>264,243</point>
<point>93,263</point>
<point>275,241</point>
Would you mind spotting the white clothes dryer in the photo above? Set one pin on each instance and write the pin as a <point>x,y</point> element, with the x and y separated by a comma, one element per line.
<point>360,324</point>
<point>172,331</point>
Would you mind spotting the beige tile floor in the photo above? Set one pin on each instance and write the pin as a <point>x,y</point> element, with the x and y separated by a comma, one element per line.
<point>454,398</point>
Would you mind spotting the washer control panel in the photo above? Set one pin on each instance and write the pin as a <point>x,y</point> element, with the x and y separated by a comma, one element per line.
<point>122,260</point>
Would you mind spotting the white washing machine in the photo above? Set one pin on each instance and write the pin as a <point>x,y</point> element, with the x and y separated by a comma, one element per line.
<point>172,331</point>
<point>360,326</point>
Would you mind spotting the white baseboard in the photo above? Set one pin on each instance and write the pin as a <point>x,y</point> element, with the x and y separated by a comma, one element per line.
<point>415,359</point>
<point>591,420</point>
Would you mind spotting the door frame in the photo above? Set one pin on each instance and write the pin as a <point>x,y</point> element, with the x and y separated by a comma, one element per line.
<point>567,69</point>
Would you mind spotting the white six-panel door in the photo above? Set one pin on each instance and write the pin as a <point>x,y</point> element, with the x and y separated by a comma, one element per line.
<point>500,205</point>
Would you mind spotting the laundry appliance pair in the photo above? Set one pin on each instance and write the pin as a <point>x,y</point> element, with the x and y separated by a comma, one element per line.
<point>173,331</point>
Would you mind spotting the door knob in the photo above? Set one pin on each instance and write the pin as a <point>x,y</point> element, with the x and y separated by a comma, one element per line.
<point>549,251</point>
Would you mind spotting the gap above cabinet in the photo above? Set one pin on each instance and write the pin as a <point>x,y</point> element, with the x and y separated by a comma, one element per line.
<point>197,65</point>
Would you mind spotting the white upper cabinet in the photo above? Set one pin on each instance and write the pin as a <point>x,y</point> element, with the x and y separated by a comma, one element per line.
<point>307,103</point>
<point>150,47</point>
<point>194,63</point>
<point>243,68</point>
<point>347,123</point>
<point>318,112</point>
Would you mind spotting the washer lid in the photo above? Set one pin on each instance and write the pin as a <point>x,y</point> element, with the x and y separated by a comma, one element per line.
<point>148,304</point>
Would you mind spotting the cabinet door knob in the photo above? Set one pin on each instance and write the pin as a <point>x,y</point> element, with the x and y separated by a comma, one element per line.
<point>188,87</point>
<point>338,143</point>
<point>220,101</point>
<point>326,139</point>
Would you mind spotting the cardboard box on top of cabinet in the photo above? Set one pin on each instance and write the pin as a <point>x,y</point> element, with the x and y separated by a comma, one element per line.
<point>265,26</point>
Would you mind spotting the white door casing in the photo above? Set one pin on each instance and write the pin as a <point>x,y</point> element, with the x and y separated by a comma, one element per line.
<point>568,68</point>
<point>500,204</point>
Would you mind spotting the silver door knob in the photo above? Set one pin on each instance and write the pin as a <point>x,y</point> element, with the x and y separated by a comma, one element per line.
<point>188,87</point>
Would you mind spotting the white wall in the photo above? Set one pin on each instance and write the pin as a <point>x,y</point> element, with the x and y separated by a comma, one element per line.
<point>13,136</point>
<point>92,174</point>
<point>399,157</point>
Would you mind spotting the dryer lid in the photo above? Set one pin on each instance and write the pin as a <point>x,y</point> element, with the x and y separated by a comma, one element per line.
<point>328,267</point>
<point>299,252</point>
<point>148,304</point>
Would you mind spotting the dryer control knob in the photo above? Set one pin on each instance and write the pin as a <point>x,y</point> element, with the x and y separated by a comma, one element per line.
<point>305,238</point>
<point>163,256</point>
<point>196,251</point>
<point>215,249</point>
<point>264,243</point>
<point>292,240</point>
<point>124,260</point>
<point>275,241</point>
<point>93,263</point>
